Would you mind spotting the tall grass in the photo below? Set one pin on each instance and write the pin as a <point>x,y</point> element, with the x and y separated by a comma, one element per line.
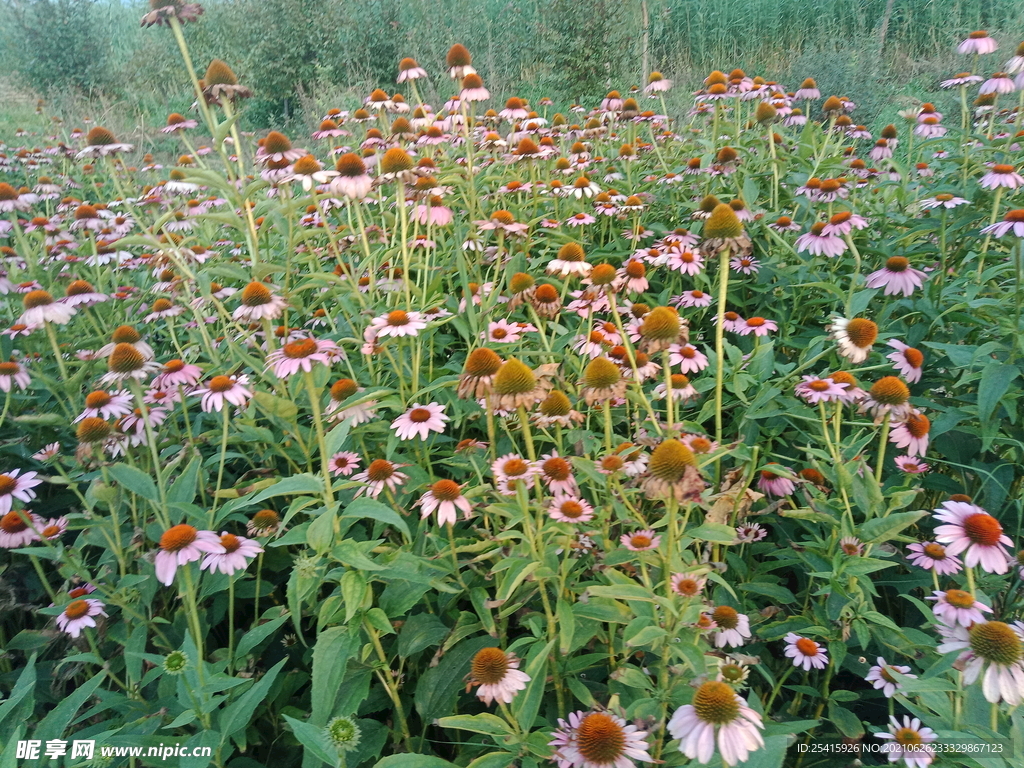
<point>560,48</point>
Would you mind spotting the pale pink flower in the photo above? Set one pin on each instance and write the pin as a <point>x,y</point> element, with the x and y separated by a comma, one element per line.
<point>420,421</point>
<point>731,627</point>
<point>302,355</point>
<point>696,728</point>
<point>78,614</point>
<point>238,551</point>
<point>380,474</point>
<point>180,545</point>
<point>897,276</point>
<point>397,323</point>
<point>907,360</point>
<point>911,465</point>
<point>640,541</point>
<point>692,299</point>
<point>344,463</point>
<point>221,389</point>
<point>775,484</point>
<point>805,653</point>
<point>969,528</point>
<point>930,554</point>
<point>815,390</point>
<point>19,528</point>
<point>908,742</point>
<point>628,741</point>
<point>687,357</point>
<point>758,326</point>
<point>570,509</point>
<point>14,485</point>
<point>817,243</point>
<point>445,498</point>
<point>501,676</point>
<point>1004,176</point>
<point>955,606</point>
<point>911,434</point>
<point>107,405</point>
<point>880,676</point>
<point>13,374</point>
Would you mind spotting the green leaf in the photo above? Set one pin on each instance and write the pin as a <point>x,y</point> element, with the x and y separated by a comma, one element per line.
<point>566,626</point>
<point>55,724</point>
<point>257,635</point>
<point>526,705</point>
<point>995,380</point>
<point>183,489</point>
<point>713,532</point>
<point>135,480</point>
<point>334,647</point>
<point>646,636</point>
<point>493,760</point>
<point>314,741</point>
<point>847,722</point>
<point>777,592</point>
<point>420,631</point>
<point>486,723</point>
<point>23,690</point>
<point>438,688</point>
<point>882,529</point>
<point>622,592</point>
<point>320,534</point>
<point>280,407</point>
<point>375,510</point>
<point>236,717</point>
<point>413,761</point>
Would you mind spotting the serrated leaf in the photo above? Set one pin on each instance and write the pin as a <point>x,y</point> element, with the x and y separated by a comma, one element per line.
<point>135,480</point>
<point>375,510</point>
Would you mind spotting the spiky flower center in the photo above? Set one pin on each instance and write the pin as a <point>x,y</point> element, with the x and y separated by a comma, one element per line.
<point>514,378</point>
<point>514,467</point>
<point>306,166</point>
<point>897,264</point>
<point>380,470</point>
<point>908,737</point>
<point>256,294</point>
<point>807,647</point>
<point>726,617</point>
<point>97,399</point>
<point>914,357</point>
<point>670,460</point>
<point>162,305</point>
<point>490,665</point>
<point>715,702</point>
<point>13,522</point>
<point>601,373</point>
<point>37,298</point>
<point>396,160</point>
<point>983,529</point>
<point>178,537</point>
<point>556,404</point>
<point>76,609</point>
<point>571,252</point>
<point>556,468</point>
<point>276,143</point>
<point>723,223</point>
<point>264,519</point>
<point>99,137</point>
<point>640,540</point>
<point>958,598</point>
<point>890,390</point>
<point>9,368</point>
<point>700,445</point>
<point>446,490</point>
<point>1003,169</point>
<point>230,542</point>
<point>92,429</point>
<point>861,332</point>
<point>680,381</point>
<point>300,349</point>
<point>125,359</point>
<point>600,739</point>
<point>661,324</point>
<point>996,642</point>
<point>934,551</point>
<point>420,415</point>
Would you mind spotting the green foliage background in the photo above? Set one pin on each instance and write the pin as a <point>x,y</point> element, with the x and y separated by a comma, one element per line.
<point>298,55</point>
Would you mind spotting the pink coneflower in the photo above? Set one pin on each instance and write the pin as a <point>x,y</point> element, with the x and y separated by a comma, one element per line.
<point>944,200</point>
<point>434,214</point>
<point>220,389</point>
<point>640,541</point>
<point>854,337</point>
<point>47,452</point>
<point>911,434</point>
<point>504,332</point>
<point>177,373</point>
<point>897,276</point>
<point>684,261</point>
<point>1001,175</point>
<point>907,360</point>
<point>571,260</point>
<point>682,388</point>
<point>397,323</point>
<point>969,528</point>
<point>732,628</point>
<point>758,326</point>
<point>445,497</point>
<point>930,554</point>
<point>955,606</point>
<point>40,308</point>
<point>999,83</point>
<point>78,614</point>
<point>990,650</point>
<point>238,551</point>
<point>408,69</point>
<point>746,265</point>
<point>774,484</point>
<point>687,357</point>
<point>687,585</point>
<point>749,533</point>
<point>511,469</point>
<point>18,528</point>
<point>556,473</point>
<point>259,303</point>
<point>14,485</point>
<point>817,243</point>
<point>657,83</point>
<point>910,465</point>
<point>598,740</point>
<point>352,180</point>
<point>344,463</point>
<point>380,474</point>
<point>805,652</point>
<point>964,78</point>
<point>13,374</point>
<point>931,128</point>
<point>497,676</point>
<point>302,355</point>
<point>182,544</point>
<point>692,299</point>
<point>82,293</point>
<point>1013,222</point>
<point>732,322</point>
<point>420,420</point>
<point>908,742</point>
<point>843,223</point>
<point>889,395</point>
<point>570,509</point>
<point>819,390</point>
<point>107,405</point>
<point>880,676</point>
<point>717,707</point>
